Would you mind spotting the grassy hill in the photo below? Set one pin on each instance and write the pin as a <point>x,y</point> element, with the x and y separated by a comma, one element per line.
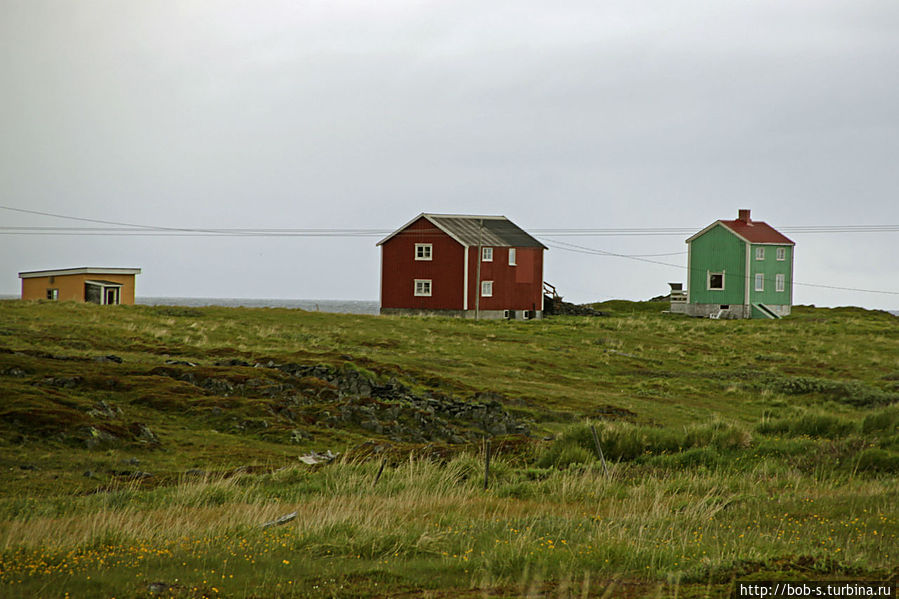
<point>143,448</point>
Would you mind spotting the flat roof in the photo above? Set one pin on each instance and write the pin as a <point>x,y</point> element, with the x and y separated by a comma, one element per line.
<point>83,270</point>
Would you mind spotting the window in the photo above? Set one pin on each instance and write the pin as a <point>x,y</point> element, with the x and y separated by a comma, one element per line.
<point>716,280</point>
<point>759,281</point>
<point>486,288</point>
<point>759,253</point>
<point>423,287</point>
<point>53,294</point>
<point>779,282</point>
<point>512,256</point>
<point>423,251</point>
<point>487,254</point>
<point>781,254</point>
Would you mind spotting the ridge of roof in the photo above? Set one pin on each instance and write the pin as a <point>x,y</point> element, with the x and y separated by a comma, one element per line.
<point>471,230</point>
<point>750,231</point>
<point>757,231</point>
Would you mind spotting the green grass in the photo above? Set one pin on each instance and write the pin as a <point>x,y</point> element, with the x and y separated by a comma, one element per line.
<point>735,450</point>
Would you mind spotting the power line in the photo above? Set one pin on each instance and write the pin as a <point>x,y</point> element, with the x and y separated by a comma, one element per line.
<point>120,228</point>
<point>133,229</point>
<point>598,252</point>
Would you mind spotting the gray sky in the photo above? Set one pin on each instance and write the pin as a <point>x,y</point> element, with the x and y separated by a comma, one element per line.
<point>329,114</point>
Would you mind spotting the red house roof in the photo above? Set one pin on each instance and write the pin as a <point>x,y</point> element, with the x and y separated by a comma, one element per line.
<point>753,231</point>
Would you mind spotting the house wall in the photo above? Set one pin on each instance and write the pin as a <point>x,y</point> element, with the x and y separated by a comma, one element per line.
<point>770,267</point>
<point>518,287</point>
<point>399,269</point>
<point>71,287</point>
<point>718,250</point>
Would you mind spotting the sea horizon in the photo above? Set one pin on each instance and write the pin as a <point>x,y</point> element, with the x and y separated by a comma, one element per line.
<point>337,306</point>
<point>310,305</point>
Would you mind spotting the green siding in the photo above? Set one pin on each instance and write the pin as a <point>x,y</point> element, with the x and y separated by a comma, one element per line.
<point>717,250</point>
<point>769,268</point>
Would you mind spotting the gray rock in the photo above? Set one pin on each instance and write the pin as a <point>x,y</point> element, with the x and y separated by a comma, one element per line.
<point>108,358</point>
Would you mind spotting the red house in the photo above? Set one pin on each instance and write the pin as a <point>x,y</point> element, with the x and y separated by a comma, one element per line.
<point>460,265</point>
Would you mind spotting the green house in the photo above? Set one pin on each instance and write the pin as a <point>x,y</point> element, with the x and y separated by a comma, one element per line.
<point>739,269</point>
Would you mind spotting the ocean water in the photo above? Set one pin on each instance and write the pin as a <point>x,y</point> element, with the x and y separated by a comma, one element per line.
<point>338,306</point>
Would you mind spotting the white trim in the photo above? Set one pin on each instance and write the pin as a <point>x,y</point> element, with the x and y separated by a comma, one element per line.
<point>429,247</point>
<point>53,293</point>
<point>465,281</point>
<point>792,273</point>
<point>708,280</point>
<point>781,254</point>
<point>748,272</point>
<point>484,251</point>
<point>84,270</point>
<point>689,269</point>
<point>425,291</point>
<point>104,287</point>
<point>759,281</point>
<point>780,283</point>
<point>486,286</point>
<point>759,254</point>
<point>513,257</point>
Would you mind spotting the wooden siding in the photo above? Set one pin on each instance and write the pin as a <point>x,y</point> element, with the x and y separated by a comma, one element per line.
<point>518,287</point>
<point>769,268</point>
<point>718,250</point>
<point>515,287</point>
<point>399,269</point>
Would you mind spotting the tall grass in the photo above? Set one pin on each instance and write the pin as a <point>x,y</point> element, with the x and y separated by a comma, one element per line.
<point>423,515</point>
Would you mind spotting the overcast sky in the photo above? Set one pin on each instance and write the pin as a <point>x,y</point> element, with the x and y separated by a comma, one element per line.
<point>329,114</point>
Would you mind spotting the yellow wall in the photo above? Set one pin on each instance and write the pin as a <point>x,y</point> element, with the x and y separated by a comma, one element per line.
<point>71,287</point>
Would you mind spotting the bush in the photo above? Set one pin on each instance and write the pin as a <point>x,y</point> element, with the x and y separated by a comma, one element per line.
<point>718,434</point>
<point>886,421</point>
<point>810,424</point>
<point>623,441</point>
<point>848,392</point>
<point>878,460</point>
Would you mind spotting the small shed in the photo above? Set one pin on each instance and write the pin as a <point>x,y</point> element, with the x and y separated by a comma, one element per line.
<point>105,286</point>
<point>462,265</point>
<point>740,268</point>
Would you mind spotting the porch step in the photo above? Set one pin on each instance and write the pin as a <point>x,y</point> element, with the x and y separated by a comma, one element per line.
<point>766,311</point>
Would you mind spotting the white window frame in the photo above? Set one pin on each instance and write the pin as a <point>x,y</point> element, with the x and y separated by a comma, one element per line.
<point>486,254</point>
<point>513,256</point>
<point>759,254</point>
<point>781,254</point>
<point>422,288</point>
<point>759,281</point>
<point>780,283</point>
<point>424,251</point>
<point>486,288</point>
<point>53,294</point>
<point>708,281</point>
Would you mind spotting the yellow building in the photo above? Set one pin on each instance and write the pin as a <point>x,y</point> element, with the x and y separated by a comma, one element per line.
<point>86,284</point>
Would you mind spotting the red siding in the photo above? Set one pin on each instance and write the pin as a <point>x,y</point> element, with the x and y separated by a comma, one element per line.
<point>399,269</point>
<point>518,287</point>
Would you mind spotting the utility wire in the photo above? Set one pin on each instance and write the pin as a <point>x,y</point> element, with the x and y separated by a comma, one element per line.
<point>156,231</point>
<point>597,252</point>
<point>120,228</point>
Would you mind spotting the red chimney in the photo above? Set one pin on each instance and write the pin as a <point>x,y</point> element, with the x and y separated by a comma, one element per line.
<point>744,216</point>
